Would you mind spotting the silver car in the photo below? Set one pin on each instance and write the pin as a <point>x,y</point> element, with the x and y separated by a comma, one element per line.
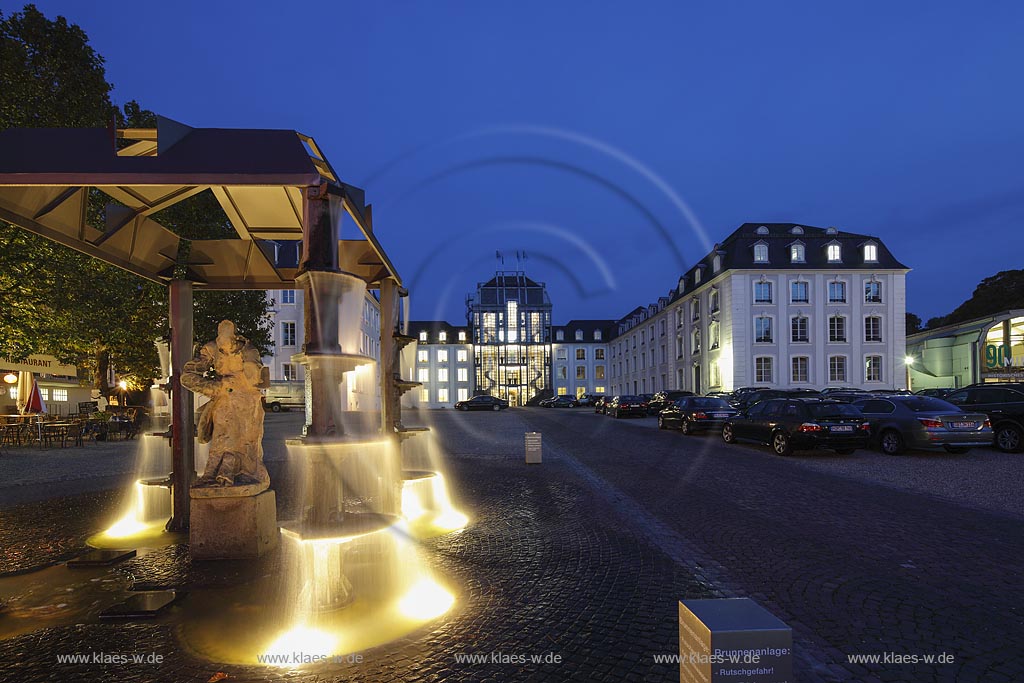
<point>901,422</point>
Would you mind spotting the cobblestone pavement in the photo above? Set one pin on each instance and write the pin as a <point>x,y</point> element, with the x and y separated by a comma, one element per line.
<point>585,556</point>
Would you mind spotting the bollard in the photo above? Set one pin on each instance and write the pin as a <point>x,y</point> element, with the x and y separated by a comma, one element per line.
<point>533,446</point>
<point>733,639</point>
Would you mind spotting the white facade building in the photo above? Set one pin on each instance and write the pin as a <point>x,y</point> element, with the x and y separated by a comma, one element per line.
<point>774,305</point>
<point>581,359</point>
<point>443,365</point>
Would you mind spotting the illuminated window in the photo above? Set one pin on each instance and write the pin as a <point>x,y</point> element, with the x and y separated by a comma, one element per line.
<point>442,395</point>
<point>716,375</point>
<point>423,336</point>
<point>287,296</point>
<point>463,394</point>
<point>442,355</point>
<point>870,252</point>
<point>835,253</point>
<point>463,375</point>
<point>581,372</point>
<point>598,390</point>
<point>579,335</point>
<point>60,394</point>
<point>512,321</point>
<point>462,356</point>
<point>442,374</point>
<point>289,372</point>
<point>562,391</point>
<point>599,372</point>
<point>424,396</point>
<point>13,393</point>
<point>423,375</point>
<point>45,393</point>
<point>462,335</point>
<point>422,355</point>
<point>873,369</point>
<point>598,354</point>
<point>442,337</point>
<point>287,333</point>
<point>581,354</point>
<point>761,253</point>
<point>713,301</point>
<point>597,335</point>
<point>796,253</point>
<point>714,335</point>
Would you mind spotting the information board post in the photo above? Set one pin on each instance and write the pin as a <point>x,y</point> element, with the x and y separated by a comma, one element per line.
<point>533,448</point>
<point>733,639</point>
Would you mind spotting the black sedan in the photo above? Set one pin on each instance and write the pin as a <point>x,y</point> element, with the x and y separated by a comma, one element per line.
<point>696,414</point>
<point>560,402</point>
<point>482,403</point>
<point>788,424</point>
<point>621,406</point>
<point>664,399</point>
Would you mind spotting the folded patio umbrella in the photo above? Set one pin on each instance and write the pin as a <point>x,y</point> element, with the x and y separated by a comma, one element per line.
<point>35,400</point>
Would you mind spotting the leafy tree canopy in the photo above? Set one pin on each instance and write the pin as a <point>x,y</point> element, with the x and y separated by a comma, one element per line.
<point>57,300</point>
<point>1000,292</point>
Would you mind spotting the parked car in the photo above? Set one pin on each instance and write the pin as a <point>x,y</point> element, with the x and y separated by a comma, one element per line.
<point>601,403</point>
<point>482,403</point>
<point>1004,405</point>
<point>935,392</point>
<point>788,424</point>
<point>695,414</point>
<point>588,399</point>
<point>750,398</point>
<point>892,392</point>
<point>899,422</point>
<point>849,396</point>
<point>560,402</point>
<point>828,391</point>
<point>626,405</point>
<point>663,399</point>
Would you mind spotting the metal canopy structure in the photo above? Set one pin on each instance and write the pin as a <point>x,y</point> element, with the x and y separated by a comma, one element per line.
<point>259,178</point>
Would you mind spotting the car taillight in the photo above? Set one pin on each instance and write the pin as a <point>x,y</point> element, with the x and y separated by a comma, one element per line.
<point>866,426</point>
<point>700,416</point>
<point>810,427</point>
<point>930,423</point>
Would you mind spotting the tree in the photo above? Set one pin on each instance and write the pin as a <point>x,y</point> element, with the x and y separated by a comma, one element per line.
<point>913,323</point>
<point>59,301</point>
<point>1000,292</point>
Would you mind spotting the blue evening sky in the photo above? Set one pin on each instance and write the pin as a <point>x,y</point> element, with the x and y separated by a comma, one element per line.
<point>614,143</point>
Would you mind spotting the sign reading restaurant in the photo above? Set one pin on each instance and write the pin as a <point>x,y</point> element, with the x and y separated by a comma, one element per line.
<point>47,365</point>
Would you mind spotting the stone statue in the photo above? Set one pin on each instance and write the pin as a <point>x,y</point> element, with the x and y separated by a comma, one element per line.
<point>229,371</point>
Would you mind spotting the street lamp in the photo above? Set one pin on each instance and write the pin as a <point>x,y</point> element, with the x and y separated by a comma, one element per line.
<point>908,362</point>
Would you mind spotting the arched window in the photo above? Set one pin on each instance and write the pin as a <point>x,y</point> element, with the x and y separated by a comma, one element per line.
<point>796,253</point>
<point>760,253</point>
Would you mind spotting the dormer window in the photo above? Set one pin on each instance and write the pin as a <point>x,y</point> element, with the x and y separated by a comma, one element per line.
<point>763,230</point>
<point>579,335</point>
<point>597,335</point>
<point>696,277</point>
<point>682,285</point>
<point>796,252</point>
<point>871,253</point>
<point>760,253</point>
<point>716,263</point>
<point>423,337</point>
<point>835,253</point>
<point>442,337</point>
<point>560,335</point>
<point>831,231</point>
<point>462,335</point>
<point>797,230</point>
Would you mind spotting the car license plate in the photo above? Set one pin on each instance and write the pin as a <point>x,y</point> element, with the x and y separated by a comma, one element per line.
<point>963,425</point>
<point>719,414</point>
<point>841,428</point>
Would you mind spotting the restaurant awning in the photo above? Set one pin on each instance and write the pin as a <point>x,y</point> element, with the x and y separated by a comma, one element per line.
<point>257,176</point>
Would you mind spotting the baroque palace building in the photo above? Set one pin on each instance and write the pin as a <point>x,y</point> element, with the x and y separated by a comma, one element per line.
<point>777,305</point>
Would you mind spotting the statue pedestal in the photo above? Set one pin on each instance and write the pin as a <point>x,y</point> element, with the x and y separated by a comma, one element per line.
<point>233,527</point>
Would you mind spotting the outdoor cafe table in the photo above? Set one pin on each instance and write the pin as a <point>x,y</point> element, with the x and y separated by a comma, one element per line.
<point>56,429</point>
<point>27,419</point>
